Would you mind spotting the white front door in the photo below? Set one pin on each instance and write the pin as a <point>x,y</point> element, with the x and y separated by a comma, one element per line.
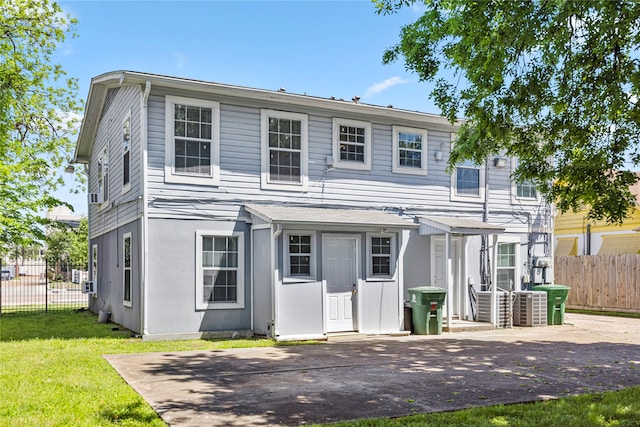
<point>439,270</point>
<point>339,270</point>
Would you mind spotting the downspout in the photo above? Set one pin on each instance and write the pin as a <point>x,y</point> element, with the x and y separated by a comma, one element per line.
<point>145,214</point>
<point>276,231</point>
<point>485,218</point>
<point>404,235</point>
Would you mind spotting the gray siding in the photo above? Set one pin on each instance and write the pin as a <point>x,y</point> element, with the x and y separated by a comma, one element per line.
<point>111,276</point>
<point>171,284</point>
<point>240,160</point>
<point>262,282</point>
<point>120,208</point>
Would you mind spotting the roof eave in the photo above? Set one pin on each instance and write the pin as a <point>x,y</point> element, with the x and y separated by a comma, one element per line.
<point>91,119</point>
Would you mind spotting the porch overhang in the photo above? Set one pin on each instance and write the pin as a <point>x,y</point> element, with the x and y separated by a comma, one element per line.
<point>430,225</point>
<point>313,216</point>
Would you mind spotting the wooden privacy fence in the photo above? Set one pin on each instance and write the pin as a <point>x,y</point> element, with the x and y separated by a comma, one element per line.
<point>600,282</point>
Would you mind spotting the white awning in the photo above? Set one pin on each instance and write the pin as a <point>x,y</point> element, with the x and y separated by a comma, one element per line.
<point>464,226</point>
<point>294,215</point>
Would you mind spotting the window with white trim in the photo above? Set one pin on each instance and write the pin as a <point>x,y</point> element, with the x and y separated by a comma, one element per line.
<point>94,267</point>
<point>284,150</point>
<point>103,175</point>
<point>380,256</point>
<point>524,190</point>
<point>409,150</point>
<point>219,270</point>
<point>467,182</point>
<point>126,154</point>
<point>506,266</point>
<point>126,269</point>
<point>192,141</point>
<point>468,179</point>
<point>300,256</point>
<point>352,144</point>
<point>94,263</point>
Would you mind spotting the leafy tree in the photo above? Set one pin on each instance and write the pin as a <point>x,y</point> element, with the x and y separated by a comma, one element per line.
<point>552,83</point>
<point>69,244</point>
<point>58,245</point>
<point>78,250</point>
<point>37,107</point>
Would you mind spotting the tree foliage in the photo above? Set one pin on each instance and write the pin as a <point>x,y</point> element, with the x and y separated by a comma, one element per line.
<point>69,244</point>
<point>537,80</point>
<point>37,107</point>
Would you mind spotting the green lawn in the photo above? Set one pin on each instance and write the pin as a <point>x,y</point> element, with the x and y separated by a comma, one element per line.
<point>52,373</point>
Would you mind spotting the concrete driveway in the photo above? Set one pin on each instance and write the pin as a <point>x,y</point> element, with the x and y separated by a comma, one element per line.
<point>375,377</point>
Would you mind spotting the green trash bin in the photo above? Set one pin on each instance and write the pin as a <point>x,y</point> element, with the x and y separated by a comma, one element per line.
<point>556,298</point>
<point>426,308</point>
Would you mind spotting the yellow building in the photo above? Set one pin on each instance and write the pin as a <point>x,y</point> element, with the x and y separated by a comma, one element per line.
<point>576,235</point>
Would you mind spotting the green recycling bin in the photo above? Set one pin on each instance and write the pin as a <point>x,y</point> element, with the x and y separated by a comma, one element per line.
<point>426,308</point>
<point>556,298</point>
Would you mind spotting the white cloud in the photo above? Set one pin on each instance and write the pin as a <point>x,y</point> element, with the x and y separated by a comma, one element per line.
<point>419,8</point>
<point>384,85</point>
<point>68,50</point>
<point>180,60</point>
<point>67,118</point>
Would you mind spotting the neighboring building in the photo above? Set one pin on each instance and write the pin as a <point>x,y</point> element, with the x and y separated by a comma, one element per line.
<point>576,235</point>
<point>217,208</point>
<point>63,215</point>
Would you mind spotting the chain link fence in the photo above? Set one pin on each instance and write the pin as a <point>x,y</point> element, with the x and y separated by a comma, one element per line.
<point>40,286</point>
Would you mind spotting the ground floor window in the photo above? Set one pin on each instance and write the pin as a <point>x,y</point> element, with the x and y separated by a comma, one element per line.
<point>126,265</point>
<point>220,278</point>
<point>506,265</point>
<point>380,256</point>
<point>300,255</point>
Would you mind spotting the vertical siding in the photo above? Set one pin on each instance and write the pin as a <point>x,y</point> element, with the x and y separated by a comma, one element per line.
<point>121,208</point>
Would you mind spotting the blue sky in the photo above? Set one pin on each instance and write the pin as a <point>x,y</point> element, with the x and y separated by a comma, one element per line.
<point>322,48</point>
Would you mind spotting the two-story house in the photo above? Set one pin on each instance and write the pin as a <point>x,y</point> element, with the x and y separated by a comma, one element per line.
<point>220,209</point>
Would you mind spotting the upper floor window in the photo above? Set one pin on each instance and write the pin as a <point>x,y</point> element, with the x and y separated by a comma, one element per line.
<point>352,144</point>
<point>192,148</point>
<point>467,182</point>
<point>300,253</point>
<point>103,175</point>
<point>526,190</point>
<point>219,270</point>
<point>409,150</point>
<point>126,154</point>
<point>284,150</point>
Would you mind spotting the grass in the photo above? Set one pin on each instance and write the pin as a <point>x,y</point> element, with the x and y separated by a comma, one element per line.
<point>52,373</point>
<point>619,409</point>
